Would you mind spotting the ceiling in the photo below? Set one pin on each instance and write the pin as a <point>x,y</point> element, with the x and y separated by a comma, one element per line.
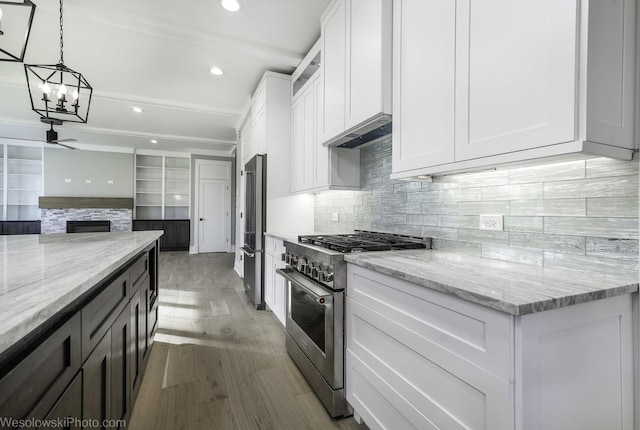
<point>156,54</point>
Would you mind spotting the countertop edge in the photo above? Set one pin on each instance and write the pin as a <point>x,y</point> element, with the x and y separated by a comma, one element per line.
<point>492,302</point>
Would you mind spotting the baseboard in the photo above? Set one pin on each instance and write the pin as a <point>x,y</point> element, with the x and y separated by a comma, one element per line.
<point>237,266</point>
<point>193,249</point>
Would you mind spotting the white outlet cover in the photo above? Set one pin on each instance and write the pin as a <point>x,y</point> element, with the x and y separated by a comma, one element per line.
<point>87,181</point>
<point>492,222</point>
<point>335,216</point>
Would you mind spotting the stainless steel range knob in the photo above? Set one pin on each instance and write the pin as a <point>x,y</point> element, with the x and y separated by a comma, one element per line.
<point>315,272</point>
<point>326,276</point>
<point>287,258</point>
<point>308,269</point>
<point>302,264</point>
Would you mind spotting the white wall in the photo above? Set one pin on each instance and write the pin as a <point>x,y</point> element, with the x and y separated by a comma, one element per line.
<point>80,166</point>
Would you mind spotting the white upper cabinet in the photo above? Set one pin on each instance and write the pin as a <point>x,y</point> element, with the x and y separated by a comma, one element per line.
<point>490,82</point>
<point>356,61</point>
<point>315,167</point>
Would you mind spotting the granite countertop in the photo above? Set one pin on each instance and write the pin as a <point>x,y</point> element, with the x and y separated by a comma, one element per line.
<point>42,274</point>
<point>516,289</point>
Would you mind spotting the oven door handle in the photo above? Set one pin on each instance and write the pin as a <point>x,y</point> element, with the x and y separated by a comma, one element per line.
<point>320,294</point>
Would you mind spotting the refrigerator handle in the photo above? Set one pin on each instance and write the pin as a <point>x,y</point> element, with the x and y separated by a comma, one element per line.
<point>247,253</point>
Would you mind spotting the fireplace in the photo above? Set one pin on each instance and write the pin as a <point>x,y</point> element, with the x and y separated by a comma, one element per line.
<point>88,226</point>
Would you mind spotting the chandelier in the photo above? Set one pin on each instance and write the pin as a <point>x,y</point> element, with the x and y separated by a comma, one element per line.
<point>16,19</point>
<point>57,92</point>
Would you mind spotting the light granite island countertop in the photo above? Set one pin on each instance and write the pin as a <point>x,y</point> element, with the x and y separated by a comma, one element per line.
<point>41,275</point>
<point>516,289</point>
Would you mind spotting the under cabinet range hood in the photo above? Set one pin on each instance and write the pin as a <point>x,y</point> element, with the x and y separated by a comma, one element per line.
<point>369,132</point>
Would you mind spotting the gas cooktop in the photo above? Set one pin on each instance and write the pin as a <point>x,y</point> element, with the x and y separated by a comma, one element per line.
<point>362,240</point>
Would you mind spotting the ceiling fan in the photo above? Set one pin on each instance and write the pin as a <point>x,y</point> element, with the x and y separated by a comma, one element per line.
<point>52,135</point>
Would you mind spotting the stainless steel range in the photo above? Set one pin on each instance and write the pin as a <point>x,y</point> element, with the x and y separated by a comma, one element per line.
<point>316,275</point>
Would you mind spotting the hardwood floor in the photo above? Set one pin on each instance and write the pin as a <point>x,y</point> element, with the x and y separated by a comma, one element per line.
<point>217,363</point>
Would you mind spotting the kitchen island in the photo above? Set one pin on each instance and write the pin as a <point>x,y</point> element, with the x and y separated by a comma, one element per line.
<point>77,317</point>
<point>443,340</point>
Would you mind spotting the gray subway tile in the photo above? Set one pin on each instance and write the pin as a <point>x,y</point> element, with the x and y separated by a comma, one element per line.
<point>513,192</point>
<point>618,186</point>
<point>484,207</point>
<point>613,207</point>
<point>440,208</point>
<point>524,223</point>
<point>532,257</point>
<point>423,196</point>
<point>484,236</point>
<point>429,220</point>
<point>440,232</point>
<point>458,221</point>
<point>459,195</point>
<point>548,172</point>
<point>405,186</point>
<point>551,207</point>
<point>602,167</point>
<point>622,228</point>
<point>549,242</point>
<point>592,264</point>
<point>613,248</point>
<point>394,218</point>
<point>467,248</point>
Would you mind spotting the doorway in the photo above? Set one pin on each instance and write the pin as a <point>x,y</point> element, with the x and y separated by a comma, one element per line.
<point>213,206</point>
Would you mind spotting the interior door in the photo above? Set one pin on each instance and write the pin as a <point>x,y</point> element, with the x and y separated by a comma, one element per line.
<point>214,206</point>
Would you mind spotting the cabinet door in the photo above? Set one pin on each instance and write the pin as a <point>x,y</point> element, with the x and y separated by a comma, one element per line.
<point>137,326</point>
<point>321,152</point>
<point>259,133</point>
<point>246,147</point>
<point>268,281</point>
<point>515,75</point>
<point>121,367</point>
<point>96,389</point>
<point>68,408</point>
<point>423,90</point>
<point>297,145</point>
<point>279,291</point>
<point>368,67</point>
<point>309,138</point>
<point>334,55</point>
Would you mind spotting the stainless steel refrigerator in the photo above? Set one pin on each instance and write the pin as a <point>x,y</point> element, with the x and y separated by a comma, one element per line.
<point>255,223</point>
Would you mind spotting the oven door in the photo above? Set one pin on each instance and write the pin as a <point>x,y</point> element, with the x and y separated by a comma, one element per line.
<point>315,318</point>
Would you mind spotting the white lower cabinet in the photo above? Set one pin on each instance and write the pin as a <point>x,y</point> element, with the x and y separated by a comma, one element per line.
<point>274,284</point>
<point>420,359</point>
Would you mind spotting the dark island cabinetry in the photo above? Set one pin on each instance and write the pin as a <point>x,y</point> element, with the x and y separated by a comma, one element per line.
<point>176,232</point>
<point>90,364</point>
<point>19,227</point>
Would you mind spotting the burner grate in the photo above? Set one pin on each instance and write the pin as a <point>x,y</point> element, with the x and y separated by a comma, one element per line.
<point>362,241</point>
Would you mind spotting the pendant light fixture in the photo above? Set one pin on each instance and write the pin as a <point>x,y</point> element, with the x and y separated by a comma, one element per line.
<point>57,92</point>
<point>16,19</point>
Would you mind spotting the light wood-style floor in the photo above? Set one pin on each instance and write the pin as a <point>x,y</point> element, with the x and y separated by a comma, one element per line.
<point>217,363</point>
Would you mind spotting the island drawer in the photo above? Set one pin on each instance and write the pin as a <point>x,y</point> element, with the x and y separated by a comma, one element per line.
<point>34,385</point>
<point>101,312</point>
<point>446,328</point>
<point>138,271</point>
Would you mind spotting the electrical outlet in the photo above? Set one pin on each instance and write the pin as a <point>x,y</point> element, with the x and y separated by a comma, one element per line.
<point>335,216</point>
<point>491,222</point>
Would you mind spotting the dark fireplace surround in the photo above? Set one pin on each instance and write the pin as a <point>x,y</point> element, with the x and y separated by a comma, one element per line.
<point>88,226</point>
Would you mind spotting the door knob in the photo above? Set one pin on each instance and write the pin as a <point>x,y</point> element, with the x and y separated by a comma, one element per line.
<point>201,219</point>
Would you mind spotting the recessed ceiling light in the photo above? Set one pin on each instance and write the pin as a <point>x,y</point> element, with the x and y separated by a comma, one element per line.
<point>153,141</point>
<point>137,109</point>
<point>231,5</point>
<point>217,71</point>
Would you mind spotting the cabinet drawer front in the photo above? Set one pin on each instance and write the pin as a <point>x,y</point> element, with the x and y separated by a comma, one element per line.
<point>458,329</point>
<point>269,244</point>
<point>102,311</point>
<point>35,384</point>
<point>451,392</point>
<point>138,270</point>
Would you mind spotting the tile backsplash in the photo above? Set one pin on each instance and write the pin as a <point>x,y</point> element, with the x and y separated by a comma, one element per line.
<point>569,215</point>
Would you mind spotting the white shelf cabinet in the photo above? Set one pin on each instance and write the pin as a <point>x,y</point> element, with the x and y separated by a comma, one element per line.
<point>163,187</point>
<point>479,84</point>
<point>479,368</point>
<point>356,63</point>
<point>274,284</point>
<point>315,167</point>
<point>20,181</point>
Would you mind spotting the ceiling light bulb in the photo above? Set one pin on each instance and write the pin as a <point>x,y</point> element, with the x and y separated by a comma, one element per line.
<point>62,90</point>
<point>153,141</point>
<point>217,71</point>
<point>231,5</point>
<point>75,94</point>
<point>46,88</point>
<point>0,13</point>
<point>136,109</point>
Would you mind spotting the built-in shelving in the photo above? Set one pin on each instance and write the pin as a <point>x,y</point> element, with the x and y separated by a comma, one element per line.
<point>20,182</point>
<point>163,185</point>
